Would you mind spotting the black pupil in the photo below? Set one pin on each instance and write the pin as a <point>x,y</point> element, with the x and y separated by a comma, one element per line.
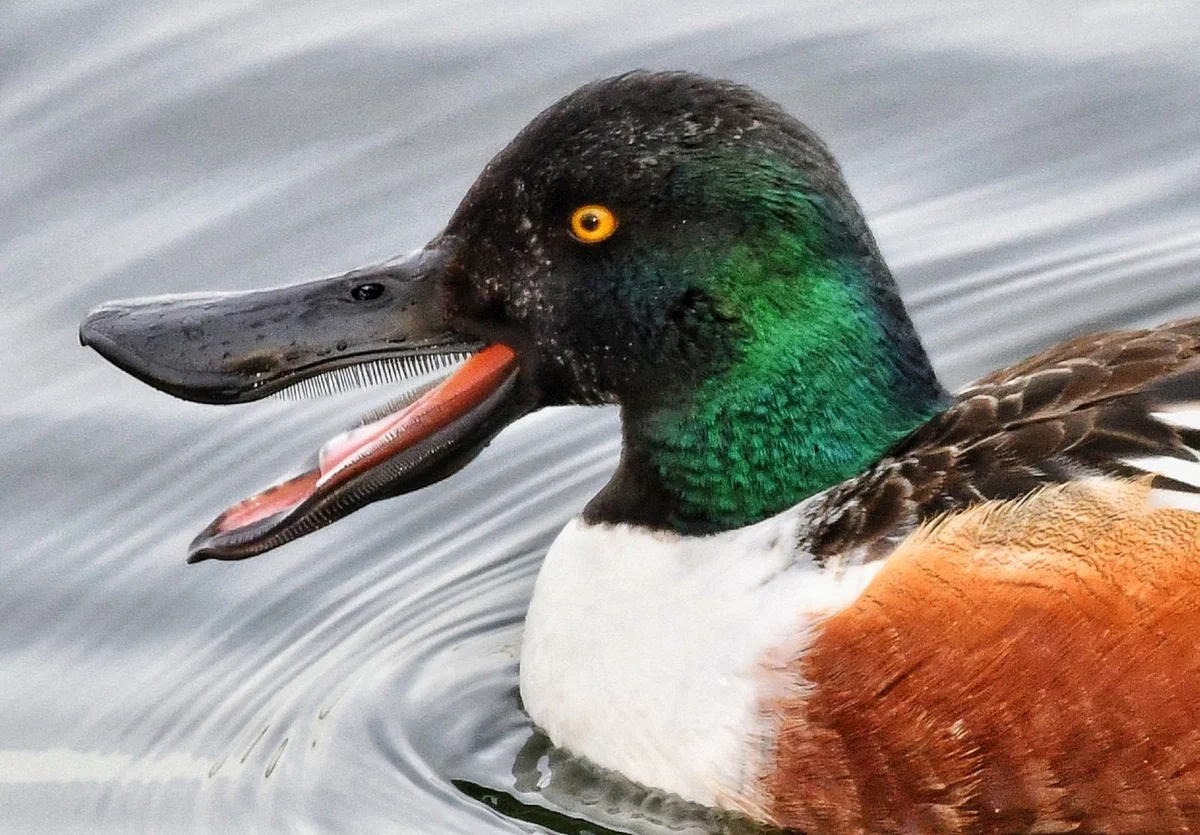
<point>366,292</point>
<point>590,222</point>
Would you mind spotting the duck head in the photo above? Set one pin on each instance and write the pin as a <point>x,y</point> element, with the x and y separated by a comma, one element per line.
<point>673,244</point>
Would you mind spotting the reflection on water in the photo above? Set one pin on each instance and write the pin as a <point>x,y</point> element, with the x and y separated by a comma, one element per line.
<point>1027,178</point>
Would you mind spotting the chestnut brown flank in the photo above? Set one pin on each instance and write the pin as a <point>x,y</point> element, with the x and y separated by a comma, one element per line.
<point>1021,667</point>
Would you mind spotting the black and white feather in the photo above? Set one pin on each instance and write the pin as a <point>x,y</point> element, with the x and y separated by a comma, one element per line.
<point>1117,404</point>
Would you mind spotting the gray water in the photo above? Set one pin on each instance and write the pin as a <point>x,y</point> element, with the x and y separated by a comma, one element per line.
<point>1029,174</point>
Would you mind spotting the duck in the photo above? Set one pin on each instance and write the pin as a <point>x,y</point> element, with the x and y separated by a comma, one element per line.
<point>819,590</point>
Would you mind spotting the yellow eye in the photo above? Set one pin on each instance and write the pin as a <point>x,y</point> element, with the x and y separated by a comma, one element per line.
<point>593,224</point>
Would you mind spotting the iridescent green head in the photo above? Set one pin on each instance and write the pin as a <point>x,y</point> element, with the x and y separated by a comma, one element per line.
<point>673,244</point>
<point>739,311</point>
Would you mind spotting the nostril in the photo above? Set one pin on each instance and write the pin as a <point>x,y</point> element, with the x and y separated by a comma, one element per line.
<point>366,292</point>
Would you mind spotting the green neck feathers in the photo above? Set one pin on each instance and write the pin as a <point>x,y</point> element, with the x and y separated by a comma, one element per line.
<point>817,373</point>
<point>809,398</point>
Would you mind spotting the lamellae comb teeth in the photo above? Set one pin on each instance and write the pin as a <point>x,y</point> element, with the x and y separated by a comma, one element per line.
<point>375,372</point>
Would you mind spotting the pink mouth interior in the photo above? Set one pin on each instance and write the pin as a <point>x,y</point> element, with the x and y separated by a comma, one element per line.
<point>288,494</point>
<point>350,453</point>
<point>275,499</point>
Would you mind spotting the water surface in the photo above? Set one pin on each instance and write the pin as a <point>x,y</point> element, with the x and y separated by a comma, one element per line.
<point>1028,177</point>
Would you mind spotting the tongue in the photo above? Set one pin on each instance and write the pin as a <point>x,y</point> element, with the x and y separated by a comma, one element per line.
<point>276,499</point>
<point>358,450</point>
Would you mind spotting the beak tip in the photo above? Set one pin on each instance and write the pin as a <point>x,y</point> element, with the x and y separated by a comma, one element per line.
<point>88,331</point>
<point>200,551</point>
<point>100,331</point>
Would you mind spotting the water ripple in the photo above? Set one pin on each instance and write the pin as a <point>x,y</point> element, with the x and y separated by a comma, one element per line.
<point>1027,179</point>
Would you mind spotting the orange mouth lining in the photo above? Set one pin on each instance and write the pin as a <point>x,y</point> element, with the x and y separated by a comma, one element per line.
<point>352,453</point>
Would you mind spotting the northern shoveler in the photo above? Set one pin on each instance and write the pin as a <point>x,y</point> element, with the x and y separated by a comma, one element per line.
<point>819,588</point>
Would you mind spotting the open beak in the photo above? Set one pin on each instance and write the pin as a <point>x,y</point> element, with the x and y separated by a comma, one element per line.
<point>383,322</point>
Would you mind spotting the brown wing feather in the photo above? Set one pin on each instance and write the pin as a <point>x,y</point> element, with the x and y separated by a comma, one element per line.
<point>1029,666</point>
<point>1084,407</point>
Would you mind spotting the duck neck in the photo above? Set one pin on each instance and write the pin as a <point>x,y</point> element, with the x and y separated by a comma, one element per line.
<point>825,374</point>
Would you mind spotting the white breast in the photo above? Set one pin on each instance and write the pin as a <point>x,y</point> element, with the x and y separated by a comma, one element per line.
<point>651,654</point>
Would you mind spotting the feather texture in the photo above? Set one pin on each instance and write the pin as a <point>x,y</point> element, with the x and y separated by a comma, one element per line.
<point>1112,404</point>
<point>1026,666</point>
<point>1099,404</point>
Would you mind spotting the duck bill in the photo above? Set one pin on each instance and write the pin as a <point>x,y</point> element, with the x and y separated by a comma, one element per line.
<point>237,347</point>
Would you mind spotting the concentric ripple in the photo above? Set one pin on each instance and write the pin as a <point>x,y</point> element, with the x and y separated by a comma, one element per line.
<point>1027,176</point>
